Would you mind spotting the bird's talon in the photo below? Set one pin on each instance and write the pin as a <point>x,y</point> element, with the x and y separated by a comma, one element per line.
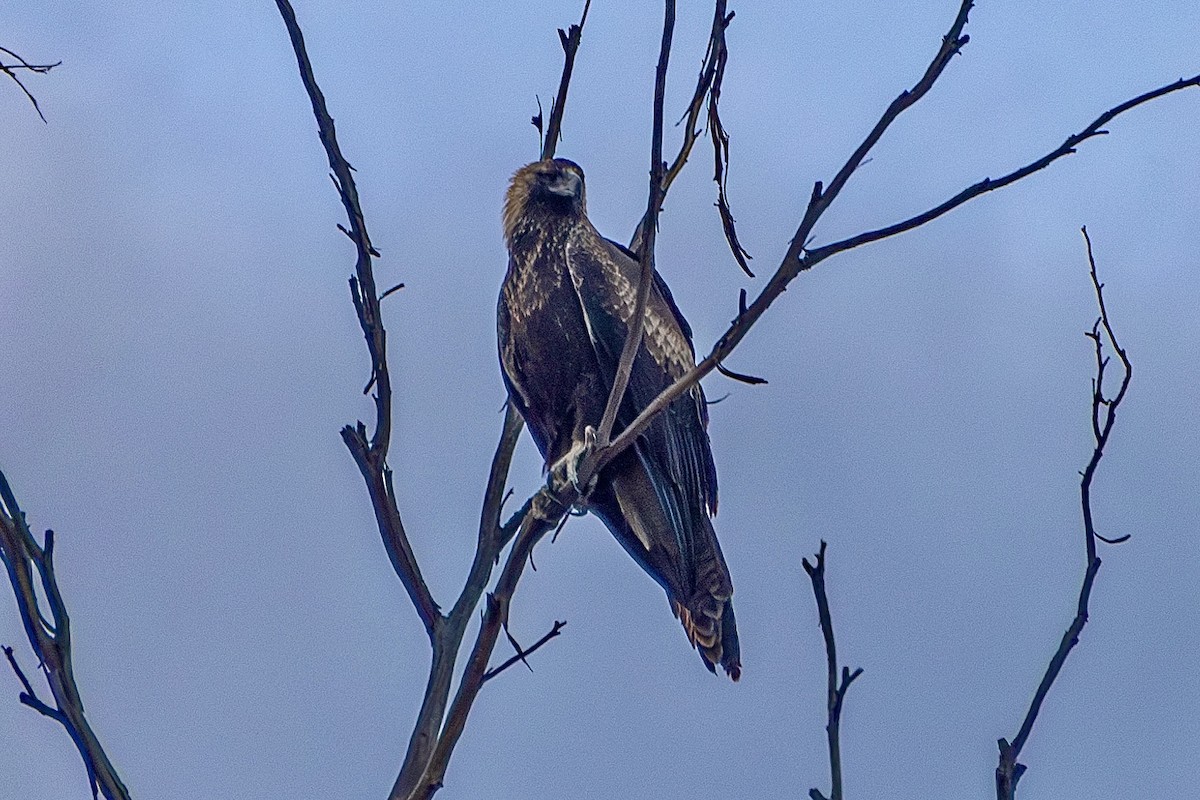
<point>566,469</point>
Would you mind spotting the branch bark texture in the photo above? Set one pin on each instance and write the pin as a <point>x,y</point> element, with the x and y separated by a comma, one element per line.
<point>30,564</point>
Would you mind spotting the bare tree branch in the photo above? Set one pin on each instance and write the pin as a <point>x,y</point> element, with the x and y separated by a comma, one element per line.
<point>1104,417</point>
<point>436,730</point>
<point>50,639</point>
<point>835,688</point>
<point>708,88</point>
<point>570,39</point>
<point>11,71</point>
<point>369,453</point>
<point>546,510</point>
<point>491,541</point>
<point>797,261</point>
<point>720,141</point>
<point>793,263</point>
<point>633,338</point>
<point>1068,147</point>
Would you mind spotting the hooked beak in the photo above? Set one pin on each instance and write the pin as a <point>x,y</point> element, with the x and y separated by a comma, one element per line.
<point>565,184</point>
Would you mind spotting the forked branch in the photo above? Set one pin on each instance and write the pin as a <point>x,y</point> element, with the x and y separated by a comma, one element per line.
<point>29,565</point>
<point>798,259</point>
<point>707,92</point>
<point>437,728</point>
<point>1104,417</point>
<point>18,64</point>
<point>836,686</point>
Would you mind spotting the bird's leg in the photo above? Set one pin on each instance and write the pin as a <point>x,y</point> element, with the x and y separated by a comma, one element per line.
<point>568,466</point>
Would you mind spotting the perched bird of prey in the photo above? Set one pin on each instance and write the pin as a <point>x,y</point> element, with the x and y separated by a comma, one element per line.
<point>566,304</point>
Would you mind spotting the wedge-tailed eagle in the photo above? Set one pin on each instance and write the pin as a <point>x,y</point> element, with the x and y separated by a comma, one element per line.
<point>565,306</point>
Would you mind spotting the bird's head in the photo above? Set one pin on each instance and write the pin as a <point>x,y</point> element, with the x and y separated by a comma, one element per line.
<point>548,188</point>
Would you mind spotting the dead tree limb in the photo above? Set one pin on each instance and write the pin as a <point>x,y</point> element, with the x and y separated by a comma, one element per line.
<point>29,565</point>
<point>1104,417</point>
<point>708,91</point>
<point>438,725</point>
<point>370,452</point>
<point>836,686</point>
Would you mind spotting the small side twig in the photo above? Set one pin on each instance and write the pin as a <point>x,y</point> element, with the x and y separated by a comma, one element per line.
<point>836,687</point>
<point>522,653</point>
<point>38,69</point>
<point>720,142</point>
<point>1104,416</point>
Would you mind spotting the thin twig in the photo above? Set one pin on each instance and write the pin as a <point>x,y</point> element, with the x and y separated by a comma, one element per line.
<point>521,654</point>
<point>708,89</point>
<point>633,337</point>
<point>50,639</point>
<point>1104,417</point>
<point>720,142</point>
<point>569,39</point>
<point>37,69</point>
<point>1068,147</point>
<point>836,689</point>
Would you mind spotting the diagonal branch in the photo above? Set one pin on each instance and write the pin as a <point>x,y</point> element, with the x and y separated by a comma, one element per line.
<point>50,640</point>
<point>369,453</point>
<point>428,727</point>
<point>1104,416</point>
<point>1068,147</point>
<point>792,264</point>
<point>547,508</point>
<point>633,337</point>
<point>835,689</point>
<point>797,261</point>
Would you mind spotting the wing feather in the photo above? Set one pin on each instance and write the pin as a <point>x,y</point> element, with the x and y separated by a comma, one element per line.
<point>674,450</point>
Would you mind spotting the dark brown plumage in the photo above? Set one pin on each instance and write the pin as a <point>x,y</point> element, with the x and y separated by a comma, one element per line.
<point>564,310</point>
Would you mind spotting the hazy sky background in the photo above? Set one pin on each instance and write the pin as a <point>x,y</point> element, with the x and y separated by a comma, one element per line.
<point>180,351</point>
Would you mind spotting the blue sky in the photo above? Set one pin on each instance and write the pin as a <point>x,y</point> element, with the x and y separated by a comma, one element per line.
<point>181,351</point>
